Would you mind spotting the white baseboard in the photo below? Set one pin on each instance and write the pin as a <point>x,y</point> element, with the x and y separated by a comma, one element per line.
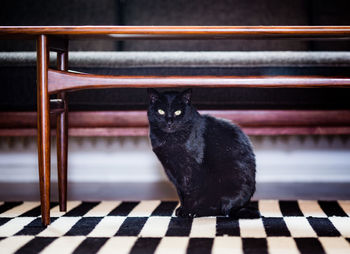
<point>130,159</point>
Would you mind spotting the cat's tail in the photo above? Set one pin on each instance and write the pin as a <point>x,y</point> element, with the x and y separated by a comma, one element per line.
<point>249,211</point>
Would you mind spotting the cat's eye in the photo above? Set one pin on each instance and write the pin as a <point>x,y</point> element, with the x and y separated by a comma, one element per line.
<point>178,112</point>
<point>161,112</point>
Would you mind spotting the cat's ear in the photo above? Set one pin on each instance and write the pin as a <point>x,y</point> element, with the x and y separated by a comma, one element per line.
<point>153,95</point>
<point>186,95</point>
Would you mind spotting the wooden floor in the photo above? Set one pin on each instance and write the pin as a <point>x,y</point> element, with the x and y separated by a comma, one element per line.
<point>165,191</point>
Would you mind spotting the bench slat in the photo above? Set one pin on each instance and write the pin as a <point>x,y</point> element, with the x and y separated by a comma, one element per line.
<point>180,32</point>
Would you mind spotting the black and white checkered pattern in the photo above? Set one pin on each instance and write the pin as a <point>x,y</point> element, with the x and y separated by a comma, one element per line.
<point>152,227</point>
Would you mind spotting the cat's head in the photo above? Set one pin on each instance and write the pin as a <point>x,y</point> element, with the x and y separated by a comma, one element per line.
<point>169,111</point>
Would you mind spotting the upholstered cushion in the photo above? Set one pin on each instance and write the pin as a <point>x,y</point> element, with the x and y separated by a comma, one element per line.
<point>177,12</point>
<point>189,59</point>
<point>214,13</point>
<point>54,13</point>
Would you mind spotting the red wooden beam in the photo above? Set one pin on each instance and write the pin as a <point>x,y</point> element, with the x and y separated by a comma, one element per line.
<point>135,123</point>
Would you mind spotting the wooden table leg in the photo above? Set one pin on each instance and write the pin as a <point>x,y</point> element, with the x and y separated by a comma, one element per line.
<point>43,108</point>
<point>62,138</point>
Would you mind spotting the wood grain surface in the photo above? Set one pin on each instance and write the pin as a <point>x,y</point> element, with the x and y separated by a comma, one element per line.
<point>69,81</point>
<point>62,136</point>
<point>180,32</point>
<point>43,130</point>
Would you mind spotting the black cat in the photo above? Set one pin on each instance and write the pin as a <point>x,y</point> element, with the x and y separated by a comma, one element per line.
<point>210,161</point>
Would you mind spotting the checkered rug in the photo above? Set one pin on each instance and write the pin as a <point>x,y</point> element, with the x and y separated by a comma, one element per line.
<point>151,227</point>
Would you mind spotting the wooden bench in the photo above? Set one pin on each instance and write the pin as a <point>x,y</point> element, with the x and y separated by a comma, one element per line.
<point>60,81</point>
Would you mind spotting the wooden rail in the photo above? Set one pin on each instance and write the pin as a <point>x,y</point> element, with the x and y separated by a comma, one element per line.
<point>180,32</point>
<point>135,123</point>
<point>70,81</point>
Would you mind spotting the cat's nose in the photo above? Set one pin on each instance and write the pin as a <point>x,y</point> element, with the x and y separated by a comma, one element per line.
<point>169,121</point>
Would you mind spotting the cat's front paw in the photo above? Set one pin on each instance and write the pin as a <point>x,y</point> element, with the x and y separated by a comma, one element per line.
<point>180,212</point>
<point>184,213</point>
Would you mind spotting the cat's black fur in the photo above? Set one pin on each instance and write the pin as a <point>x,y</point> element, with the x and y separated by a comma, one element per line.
<point>210,161</point>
